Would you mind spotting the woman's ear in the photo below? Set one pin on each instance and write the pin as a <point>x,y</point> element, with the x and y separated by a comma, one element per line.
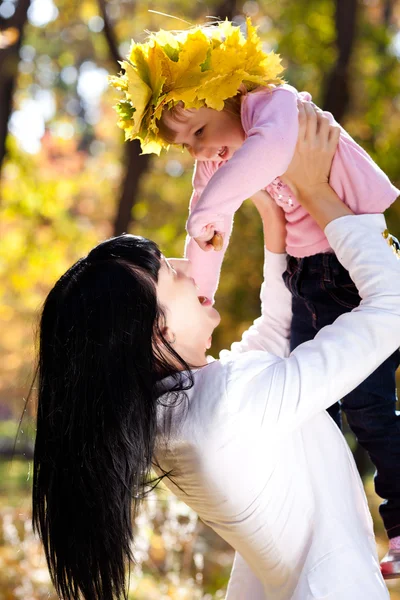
<point>168,335</point>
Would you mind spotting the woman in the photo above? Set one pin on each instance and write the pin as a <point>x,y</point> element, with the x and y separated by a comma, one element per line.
<point>124,384</point>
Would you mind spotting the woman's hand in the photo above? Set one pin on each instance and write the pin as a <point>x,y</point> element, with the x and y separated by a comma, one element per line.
<point>316,146</point>
<point>308,173</point>
<point>274,222</point>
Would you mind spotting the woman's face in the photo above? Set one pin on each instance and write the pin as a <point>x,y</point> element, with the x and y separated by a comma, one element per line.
<point>190,319</point>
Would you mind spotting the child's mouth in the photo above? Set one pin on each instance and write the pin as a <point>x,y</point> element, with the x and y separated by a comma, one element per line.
<point>223,152</point>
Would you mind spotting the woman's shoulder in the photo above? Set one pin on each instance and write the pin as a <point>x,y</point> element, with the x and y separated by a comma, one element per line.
<point>222,388</point>
<point>219,390</point>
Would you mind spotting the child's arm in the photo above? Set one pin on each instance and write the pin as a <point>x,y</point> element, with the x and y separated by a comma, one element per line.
<point>271,123</point>
<point>243,583</point>
<point>206,266</point>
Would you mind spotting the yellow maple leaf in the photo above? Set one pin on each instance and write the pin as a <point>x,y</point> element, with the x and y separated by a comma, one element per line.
<point>151,147</point>
<point>186,72</point>
<point>138,92</point>
<point>223,62</point>
<point>168,42</point>
<point>219,88</point>
<point>138,57</point>
<point>272,64</point>
<point>155,59</point>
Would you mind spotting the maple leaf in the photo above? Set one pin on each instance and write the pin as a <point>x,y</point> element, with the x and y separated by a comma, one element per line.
<point>138,92</point>
<point>138,57</point>
<point>217,89</point>
<point>185,74</point>
<point>155,59</point>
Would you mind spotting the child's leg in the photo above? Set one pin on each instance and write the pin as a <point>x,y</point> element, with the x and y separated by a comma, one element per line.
<point>370,408</point>
<point>302,279</point>
<point>371,414</point>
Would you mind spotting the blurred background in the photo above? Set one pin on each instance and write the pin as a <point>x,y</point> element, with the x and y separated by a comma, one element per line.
<point>67,180</point>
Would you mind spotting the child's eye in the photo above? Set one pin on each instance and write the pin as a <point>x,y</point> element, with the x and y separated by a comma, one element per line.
<point>199,132</point>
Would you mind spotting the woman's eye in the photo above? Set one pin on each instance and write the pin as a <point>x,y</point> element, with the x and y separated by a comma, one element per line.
<point>199,132</point>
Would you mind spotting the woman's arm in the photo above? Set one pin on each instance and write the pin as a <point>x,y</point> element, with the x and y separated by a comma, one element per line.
<point>243,583</point>
<point>307,174</point>
<point>271,331</point>
<point>287,392</point>
<point>273,220</point>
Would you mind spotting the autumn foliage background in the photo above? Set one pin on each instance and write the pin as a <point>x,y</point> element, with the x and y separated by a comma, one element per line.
<point>68,180</point>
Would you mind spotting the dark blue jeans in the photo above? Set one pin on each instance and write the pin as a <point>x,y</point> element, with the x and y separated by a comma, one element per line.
<point>321,291</point>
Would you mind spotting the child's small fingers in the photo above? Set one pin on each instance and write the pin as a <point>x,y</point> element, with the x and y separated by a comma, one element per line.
<point>201,243</point>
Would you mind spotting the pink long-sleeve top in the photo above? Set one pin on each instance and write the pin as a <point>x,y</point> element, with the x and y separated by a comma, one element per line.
<point>270,122</point>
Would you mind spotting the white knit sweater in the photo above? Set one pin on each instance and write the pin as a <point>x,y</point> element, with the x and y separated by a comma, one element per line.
<point>254,453</point>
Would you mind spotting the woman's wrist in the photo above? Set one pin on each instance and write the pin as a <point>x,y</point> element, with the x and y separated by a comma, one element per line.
<point>322,203</point>
<point>273,220</point>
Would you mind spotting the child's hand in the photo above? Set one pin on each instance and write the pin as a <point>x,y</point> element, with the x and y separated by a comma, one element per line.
<point>210,239</point>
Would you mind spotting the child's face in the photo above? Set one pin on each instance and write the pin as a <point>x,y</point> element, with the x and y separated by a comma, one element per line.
<point>208,134</point>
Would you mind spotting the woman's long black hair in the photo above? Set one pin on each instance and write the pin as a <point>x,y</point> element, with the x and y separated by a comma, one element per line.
<point>96,420</point>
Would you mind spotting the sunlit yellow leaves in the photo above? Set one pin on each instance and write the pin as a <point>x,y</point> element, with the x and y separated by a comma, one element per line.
<point>138,93</point>
<point>210,92</point>
<point>138,58</point>
<point>184,76</point>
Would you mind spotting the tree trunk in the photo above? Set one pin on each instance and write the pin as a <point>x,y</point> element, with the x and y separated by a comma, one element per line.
<point>226,10</point>
<point>337,90</point>
<point>12,29</point>
<point>136,165</point>
<point>387,12</point>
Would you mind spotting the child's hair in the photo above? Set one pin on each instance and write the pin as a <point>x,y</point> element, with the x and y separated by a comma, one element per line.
<point>179,114</point>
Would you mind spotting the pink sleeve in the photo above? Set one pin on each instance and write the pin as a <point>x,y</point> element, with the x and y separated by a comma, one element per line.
<point>270,120</point>
<point>206,266</point>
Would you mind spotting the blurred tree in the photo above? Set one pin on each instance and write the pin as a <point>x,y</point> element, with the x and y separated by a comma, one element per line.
<point>11,35</point>
<point>337,95</point>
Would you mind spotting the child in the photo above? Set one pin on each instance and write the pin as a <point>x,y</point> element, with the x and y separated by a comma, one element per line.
<point>220,96</point>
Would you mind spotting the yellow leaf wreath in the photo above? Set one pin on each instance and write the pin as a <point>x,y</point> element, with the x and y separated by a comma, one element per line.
<point>203,66</point>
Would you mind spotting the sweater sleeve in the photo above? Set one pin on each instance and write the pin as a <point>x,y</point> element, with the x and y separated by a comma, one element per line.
<point>270,121</point>
<point>243,583</point>
<point>206,266</point>
<point>284,393</point>
<point>271,331</point>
